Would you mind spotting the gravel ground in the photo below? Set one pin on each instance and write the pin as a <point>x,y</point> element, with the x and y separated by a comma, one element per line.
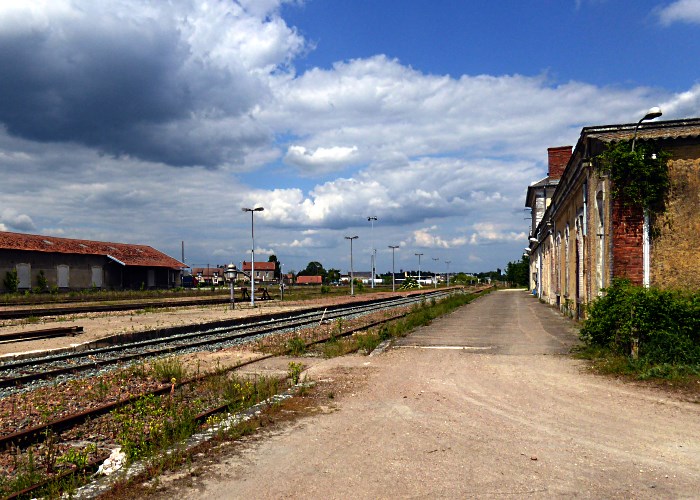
<point>482,403</point>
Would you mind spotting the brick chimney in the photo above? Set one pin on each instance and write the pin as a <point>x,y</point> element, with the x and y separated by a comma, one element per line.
<point>558,158</point>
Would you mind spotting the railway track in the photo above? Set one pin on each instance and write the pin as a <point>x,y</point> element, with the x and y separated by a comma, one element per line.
<point>214,338</point>
<point>23,374</point>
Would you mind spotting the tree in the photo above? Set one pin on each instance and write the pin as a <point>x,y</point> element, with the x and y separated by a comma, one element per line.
<point>278,271</point>
<point>518,273</point>
<point>333,275</point>
<point>313,268</point>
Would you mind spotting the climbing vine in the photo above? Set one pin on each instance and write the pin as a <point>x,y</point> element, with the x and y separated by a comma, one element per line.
<point>639,177</point>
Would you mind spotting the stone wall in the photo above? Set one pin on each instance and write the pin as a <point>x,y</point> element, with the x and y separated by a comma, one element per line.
<point>675,253</point>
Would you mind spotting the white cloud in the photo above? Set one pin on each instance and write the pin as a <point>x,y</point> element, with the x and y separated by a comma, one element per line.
<point>16,221</point>
<point>321,159</point>
<point>424,238</point>
<point>685,11</point>
<point>486,233</point>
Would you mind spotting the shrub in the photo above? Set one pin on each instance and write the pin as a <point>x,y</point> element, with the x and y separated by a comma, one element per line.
<point>666,324</point>
<point>296,346</point>
<point>11,281</point>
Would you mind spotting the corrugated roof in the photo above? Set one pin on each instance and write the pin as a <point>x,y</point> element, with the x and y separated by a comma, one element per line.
<point>124,253</point>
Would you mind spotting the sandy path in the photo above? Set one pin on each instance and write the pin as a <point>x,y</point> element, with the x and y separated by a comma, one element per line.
<point>479,404</point>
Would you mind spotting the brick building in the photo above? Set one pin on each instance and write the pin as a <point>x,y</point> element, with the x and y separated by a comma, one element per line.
<point>581,238</point>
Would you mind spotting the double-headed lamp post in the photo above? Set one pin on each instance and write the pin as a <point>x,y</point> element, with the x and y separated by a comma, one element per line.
<point>654,112</point>
<point>231,273</point>
<point>393,273</point>
<point>435,274</point>
<point>352,271</point>
<point>252,252</point>
<point>419,254</point>
<point>372,219</point>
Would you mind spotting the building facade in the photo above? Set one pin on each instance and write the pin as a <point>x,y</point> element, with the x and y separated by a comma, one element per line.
<point>585,237</point>
<point>71,264</point>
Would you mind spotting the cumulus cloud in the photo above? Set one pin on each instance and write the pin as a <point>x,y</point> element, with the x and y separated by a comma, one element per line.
<point>684,11</point>
<point>321,159</point>
<point>12,220</point>
<point>486,233</point>
<point>167,82</point>
<point>424,238</point>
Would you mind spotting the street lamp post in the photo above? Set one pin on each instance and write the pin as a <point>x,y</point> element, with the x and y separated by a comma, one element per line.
<point>231,273</point>
<point>435,274</point>
<point>654,112</point>
<point>419,254</point>
<point>281,281</point>
<point>352,271</point>
<point>448,271</point>
<point>371,219</point>
<point>252,253</point>
<point>393,273</point>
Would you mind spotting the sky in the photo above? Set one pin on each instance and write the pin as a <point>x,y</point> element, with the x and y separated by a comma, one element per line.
<point>155,123</point>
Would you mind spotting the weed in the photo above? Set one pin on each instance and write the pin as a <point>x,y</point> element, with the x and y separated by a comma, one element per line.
<point>166,369</point>
<point>296,346</point>
<point>294,371</point>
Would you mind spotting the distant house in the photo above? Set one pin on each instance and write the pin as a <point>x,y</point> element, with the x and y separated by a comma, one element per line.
<point>80,264</point>
<point>209,275</point>
<point>264,271</point>
<point>309,280</point>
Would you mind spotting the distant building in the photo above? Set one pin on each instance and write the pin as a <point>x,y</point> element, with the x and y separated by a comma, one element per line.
<point>212,276</point>
<point>80,264</point>
<point>309,280</point>
<point>264,271</point>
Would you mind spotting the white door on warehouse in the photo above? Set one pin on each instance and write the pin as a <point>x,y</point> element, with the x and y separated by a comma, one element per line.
<point>97,276</point>
<point>24,276</point>
<point>63,273</point>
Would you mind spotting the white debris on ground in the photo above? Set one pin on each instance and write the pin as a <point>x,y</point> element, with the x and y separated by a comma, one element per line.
<point>113,463</point>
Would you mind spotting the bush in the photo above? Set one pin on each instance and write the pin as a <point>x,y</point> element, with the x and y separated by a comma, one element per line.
<point>665,323</point>
<point>11,281</point>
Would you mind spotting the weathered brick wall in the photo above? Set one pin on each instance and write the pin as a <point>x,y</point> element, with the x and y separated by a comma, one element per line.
<point>628,258</point>
<point>675,253</point>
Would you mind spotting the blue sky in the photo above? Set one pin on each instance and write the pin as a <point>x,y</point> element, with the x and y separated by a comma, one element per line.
<point>154,123</point>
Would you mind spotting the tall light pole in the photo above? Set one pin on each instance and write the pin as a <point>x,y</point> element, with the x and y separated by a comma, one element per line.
<point>252,252</point>
<point>352,271</point>
<point>393,273</point>
<point>448,271</point>
<point>371,219</point>
<point>419,254</point>
<point>654,112</point>
<point>435,274</point>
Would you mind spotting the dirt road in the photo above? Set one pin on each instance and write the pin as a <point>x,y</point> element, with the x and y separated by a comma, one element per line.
<point>482,403</point>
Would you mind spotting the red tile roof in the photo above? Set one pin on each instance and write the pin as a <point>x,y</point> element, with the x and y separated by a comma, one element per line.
<point>127,254</point>
<point>259,266</point>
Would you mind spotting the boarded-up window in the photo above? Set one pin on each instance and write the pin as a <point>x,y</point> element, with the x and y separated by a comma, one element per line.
<point>24,275</point>
<point>63,273</point>
<point>151,278</point>
<point>97,276</point>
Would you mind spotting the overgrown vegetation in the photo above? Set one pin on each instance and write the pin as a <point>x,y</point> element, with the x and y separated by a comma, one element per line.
<point>421,314</point>
<point>647,331</point>
<point>640,177</point>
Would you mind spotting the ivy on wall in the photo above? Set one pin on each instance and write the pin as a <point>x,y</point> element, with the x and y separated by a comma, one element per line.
<point>640,177</point>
